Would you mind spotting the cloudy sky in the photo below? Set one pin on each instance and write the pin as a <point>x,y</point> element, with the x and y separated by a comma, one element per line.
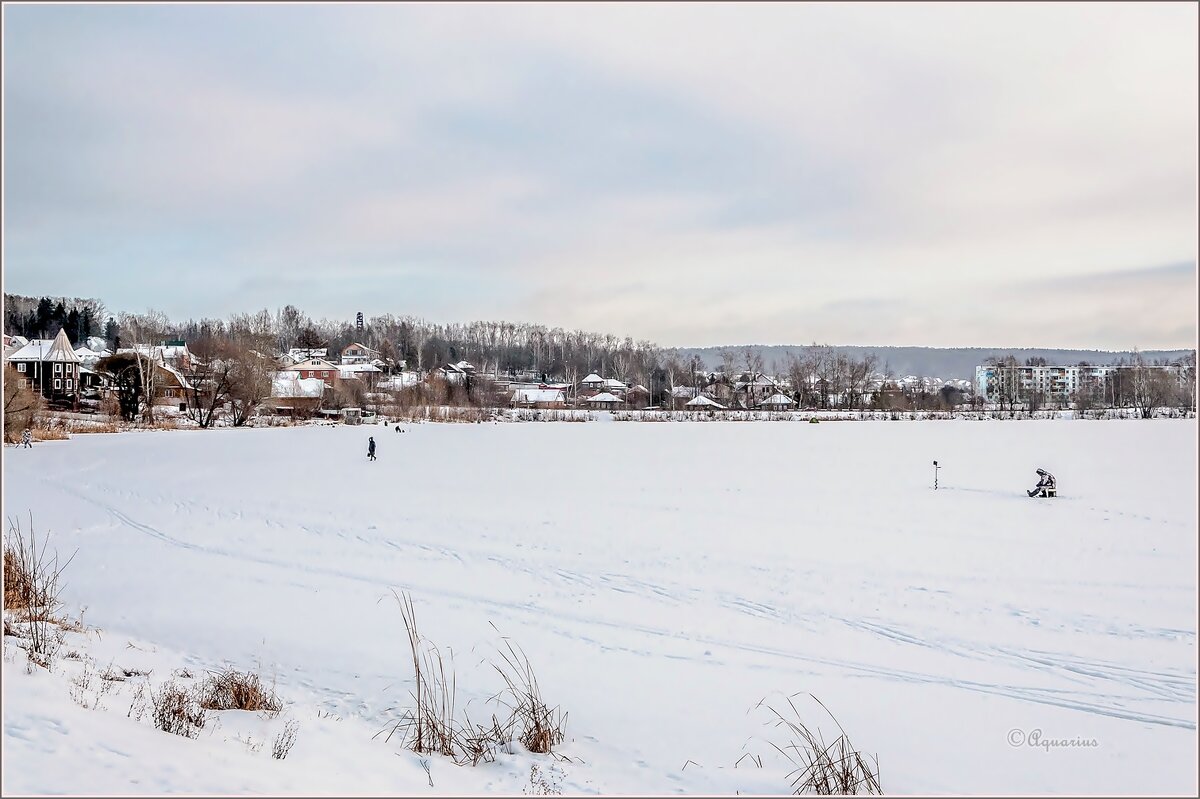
<point>939,175</point>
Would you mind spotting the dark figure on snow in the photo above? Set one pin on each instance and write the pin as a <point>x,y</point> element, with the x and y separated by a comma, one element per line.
<point>1045,486</point>
<point>371,448</point>
<point>397,428</point>
<point>27,439</point>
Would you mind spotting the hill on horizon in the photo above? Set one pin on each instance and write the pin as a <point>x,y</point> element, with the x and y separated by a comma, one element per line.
<point>944,362</point>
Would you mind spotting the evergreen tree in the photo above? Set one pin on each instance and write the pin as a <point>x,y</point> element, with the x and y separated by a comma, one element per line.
<point>87,324</point>
<point>44,310</point>
<point>58,319</point>
<point>72,327</point>
<point>110,334</point>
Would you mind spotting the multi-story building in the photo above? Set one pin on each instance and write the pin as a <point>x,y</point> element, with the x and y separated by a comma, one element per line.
<point>997,383</point>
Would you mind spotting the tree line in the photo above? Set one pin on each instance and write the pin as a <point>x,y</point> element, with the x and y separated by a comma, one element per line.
<point>43,317</point>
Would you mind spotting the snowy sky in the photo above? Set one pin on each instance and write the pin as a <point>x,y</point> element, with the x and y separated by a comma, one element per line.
<point>939,175</point>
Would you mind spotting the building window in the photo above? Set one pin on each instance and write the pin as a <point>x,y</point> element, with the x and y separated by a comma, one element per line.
<point>20,367</point>
<point>68,384</point>
<point>58,368</point>
<point>57,384</point>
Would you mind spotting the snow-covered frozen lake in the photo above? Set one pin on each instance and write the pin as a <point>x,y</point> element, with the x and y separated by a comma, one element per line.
<point>662,578</point>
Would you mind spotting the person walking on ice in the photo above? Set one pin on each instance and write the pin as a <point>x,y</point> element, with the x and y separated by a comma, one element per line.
<point>1046,486</point>
<point>27,438</point>
<point>371,448</point>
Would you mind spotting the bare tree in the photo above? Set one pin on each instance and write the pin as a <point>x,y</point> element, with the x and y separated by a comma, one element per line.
<point>141,331</point>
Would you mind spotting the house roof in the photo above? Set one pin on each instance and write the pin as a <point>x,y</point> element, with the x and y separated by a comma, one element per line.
<point>611,383</point>
<point>641,388</point>
<point>592,378</point>
<point>605,397</point>
<point>35,350</point>
<point>399,381</point>
<point>311,363</point>
<point>354,368</point>
<point>57,350</point>
<point>284,386</point>
<point>313,352</point>
<point>183,382</point>
<point>776,399</point>
<point>532,395</point>
<point>705,402</point>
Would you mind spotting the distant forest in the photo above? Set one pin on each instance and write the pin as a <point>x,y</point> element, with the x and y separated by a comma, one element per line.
<point>504,347</point>
<point>951,363</point>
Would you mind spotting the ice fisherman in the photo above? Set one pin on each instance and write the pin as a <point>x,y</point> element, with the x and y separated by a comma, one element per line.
<point>1045,483</point>
<point>27,438</point>
<point>371,448</point>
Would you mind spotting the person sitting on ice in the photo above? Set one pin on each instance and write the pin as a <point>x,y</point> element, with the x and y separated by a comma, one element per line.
<point>1045,486</point>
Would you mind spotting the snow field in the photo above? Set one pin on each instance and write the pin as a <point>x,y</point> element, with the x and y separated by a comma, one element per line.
<point>662,578</point>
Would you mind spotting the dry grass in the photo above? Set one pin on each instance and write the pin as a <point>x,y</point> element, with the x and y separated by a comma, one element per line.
<point>177,711</point>
<point>95,427</point>
<point>237,690</point>
<point>541,727</point>
<point>50,429</point>
<point>430,727</point>
<point>433,726</point>
<point>830,769</point>
<point>32,582</point>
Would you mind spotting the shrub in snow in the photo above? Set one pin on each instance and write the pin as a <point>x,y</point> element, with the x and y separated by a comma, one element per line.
<point>237,690</point>
<point>176,710</point>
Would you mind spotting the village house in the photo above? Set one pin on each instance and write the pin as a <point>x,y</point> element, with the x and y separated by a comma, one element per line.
<point>702,403</point>
<point>752,388</point>
<point>122,370</point>
<point>604,402</point>
<point>13,343</point>
<point>49,367</point>
<point>455,373</point>
<point>359,353</point>
<point>777,402</point>
<point>538,398</point>
<point>366,373</point>
<point>638,396</point>
<point>297,354</point>
<point>296,396</point>
<point>316,367</point>
<point>681,395</point>
<point>170,353</point>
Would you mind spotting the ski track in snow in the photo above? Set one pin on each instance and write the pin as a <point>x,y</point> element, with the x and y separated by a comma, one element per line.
<point>1174,687</point>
